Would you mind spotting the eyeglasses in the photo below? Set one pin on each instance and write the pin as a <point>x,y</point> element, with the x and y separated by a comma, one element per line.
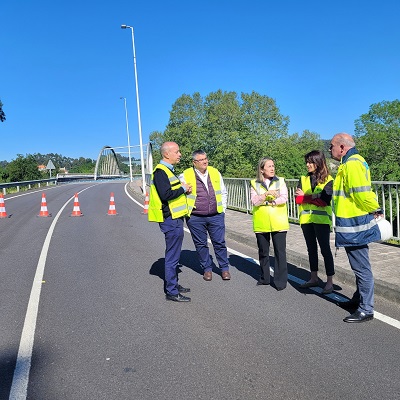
<point>201,160</point>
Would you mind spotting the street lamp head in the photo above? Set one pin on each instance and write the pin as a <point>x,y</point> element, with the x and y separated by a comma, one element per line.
<point>125,27</point>
<point>122,98</point>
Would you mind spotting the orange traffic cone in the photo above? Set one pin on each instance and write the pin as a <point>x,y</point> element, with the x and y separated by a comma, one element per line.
<point>146,204</point>
<point>111,209</point>
<point>76,212</point>
<point>43,207</point>
<point>3,213</point>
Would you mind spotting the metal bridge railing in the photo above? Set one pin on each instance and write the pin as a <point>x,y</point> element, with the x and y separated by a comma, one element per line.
<point>387,193</point>
<point>30,184</point>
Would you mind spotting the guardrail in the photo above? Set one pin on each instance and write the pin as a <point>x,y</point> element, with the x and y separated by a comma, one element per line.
<point>387,192</point>
<point>30,184</point>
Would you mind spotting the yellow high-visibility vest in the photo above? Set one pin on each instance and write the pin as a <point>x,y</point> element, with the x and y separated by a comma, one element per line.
<point>215,178</point>
<point>268,218</point>
<point>177,207</point>
<point>310,213</point>
<point>354,201</point>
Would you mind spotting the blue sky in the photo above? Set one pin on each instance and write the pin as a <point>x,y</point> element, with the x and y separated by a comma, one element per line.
<point>65,65</point>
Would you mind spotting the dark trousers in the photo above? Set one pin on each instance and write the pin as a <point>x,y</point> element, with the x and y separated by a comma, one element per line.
<point>173,231</point>
<point>280,264</point>
<point>321,233</point>
<point>214,226</point>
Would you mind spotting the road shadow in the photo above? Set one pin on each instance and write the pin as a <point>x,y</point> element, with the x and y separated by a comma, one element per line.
<point>187,259</point>
<point>249,267</point>
<point>7,366</point>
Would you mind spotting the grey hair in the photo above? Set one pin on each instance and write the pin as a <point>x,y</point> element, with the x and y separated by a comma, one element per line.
<point>198,152</point>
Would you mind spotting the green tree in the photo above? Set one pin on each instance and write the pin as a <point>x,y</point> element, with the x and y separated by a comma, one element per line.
<point>264,128</point>
<point>185,126</point>
<point>290,150</point>
<point>3,174</point>
<point>235,133</point>
<point>23,169</point>
<point>223,132</point>
<point>83,166</point>
<point>2,114</point>
<point>156,139</point>
<point>378,139</point>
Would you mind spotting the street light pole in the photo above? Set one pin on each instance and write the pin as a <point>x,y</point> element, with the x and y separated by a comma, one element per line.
<point>129,142</point>
<point>138,108</point>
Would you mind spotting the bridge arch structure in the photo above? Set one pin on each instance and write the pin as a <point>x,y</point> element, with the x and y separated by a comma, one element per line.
<point>107,164</point>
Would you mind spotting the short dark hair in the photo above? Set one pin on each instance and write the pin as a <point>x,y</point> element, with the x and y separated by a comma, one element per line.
<point>197,153</point>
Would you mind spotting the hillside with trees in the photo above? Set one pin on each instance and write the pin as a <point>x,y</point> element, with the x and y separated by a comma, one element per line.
<point>236,131</point>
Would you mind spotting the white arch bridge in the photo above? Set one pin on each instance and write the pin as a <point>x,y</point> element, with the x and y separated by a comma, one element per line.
<point>108,164</point>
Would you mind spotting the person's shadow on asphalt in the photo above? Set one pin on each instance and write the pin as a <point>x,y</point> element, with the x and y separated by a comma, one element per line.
<point>188,259</point>
<point>252,269</point>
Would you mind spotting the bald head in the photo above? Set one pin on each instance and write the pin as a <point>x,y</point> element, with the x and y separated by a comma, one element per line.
<point>341,143</point>
<point>170,152</point>
<point>344,139</point>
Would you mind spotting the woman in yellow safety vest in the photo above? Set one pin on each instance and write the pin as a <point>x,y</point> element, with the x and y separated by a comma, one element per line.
<point>270,219</point>
<point>314,195</point>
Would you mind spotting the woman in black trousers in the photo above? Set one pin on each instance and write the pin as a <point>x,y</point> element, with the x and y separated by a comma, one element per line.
<point>314,195</point>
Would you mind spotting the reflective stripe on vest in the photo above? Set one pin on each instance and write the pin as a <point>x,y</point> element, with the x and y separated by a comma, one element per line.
<point>354,226</point>
<point>310,213</point>
<point>270,218</point>
<point>215,179</point>
<point>177,207</point>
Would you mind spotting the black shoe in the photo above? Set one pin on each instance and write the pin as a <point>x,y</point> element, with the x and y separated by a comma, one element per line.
<point>358,316</point>
<point>259,283</point>
<point>182,289</point>
<point>177,297</point>
<point>349,304</point>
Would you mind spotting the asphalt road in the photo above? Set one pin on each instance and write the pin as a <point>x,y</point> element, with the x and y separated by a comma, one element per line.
<point>105,331</point>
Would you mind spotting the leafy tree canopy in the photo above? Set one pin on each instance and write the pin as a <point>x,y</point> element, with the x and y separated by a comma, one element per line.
<point>235,132</point>
<point>25,168</point>
<point>378,139</point>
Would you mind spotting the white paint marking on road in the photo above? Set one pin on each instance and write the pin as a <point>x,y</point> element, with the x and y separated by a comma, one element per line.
<point>27,193</point>
<point>20,381</point>
<point>389,320</point>
<point>135,201</point>
<point>334,296</point>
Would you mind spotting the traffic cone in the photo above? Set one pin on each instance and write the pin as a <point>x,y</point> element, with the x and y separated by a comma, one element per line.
<point>111,209</point>
<point>43,207</point>
<point>76,212</point>
<point>146,204</point>
<point>3,213</point>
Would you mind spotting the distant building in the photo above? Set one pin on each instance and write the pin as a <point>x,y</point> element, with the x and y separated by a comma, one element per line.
<point>41,167</point>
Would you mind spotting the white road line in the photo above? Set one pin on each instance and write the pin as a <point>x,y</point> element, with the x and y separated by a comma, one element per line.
<point>334,296</point>
<point>20,381</point>
<point>27,193</point>
<point>135,201</point>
